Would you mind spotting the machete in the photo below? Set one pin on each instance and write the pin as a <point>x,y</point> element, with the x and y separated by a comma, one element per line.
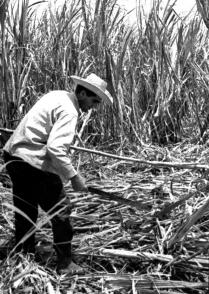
<point>113,197</point>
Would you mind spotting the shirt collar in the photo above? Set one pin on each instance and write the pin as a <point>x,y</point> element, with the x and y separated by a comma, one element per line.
<point>75,102</point>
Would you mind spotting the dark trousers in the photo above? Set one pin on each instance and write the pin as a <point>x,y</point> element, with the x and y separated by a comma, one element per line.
<point>33,187</point>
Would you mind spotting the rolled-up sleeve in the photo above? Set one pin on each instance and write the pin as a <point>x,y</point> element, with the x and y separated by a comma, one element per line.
<point>59,141</point>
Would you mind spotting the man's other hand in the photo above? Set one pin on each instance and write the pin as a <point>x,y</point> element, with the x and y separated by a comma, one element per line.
<point>78,183</point>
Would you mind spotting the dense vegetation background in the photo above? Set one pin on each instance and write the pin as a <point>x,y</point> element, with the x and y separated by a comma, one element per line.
<point>148,231</point>
<point>157,70</point>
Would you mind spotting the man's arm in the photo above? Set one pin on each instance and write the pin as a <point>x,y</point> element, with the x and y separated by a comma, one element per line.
<point>58,144</point>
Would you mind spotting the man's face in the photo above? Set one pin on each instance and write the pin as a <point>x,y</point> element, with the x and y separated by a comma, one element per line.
<point>87,102</point>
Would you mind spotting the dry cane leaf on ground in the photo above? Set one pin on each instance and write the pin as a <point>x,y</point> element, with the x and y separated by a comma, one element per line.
<point>140,228</point>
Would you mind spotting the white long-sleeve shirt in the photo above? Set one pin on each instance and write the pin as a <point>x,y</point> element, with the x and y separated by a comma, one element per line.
<point>44,135</point>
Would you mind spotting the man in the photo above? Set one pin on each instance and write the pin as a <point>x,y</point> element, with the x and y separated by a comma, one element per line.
<point>38,162</point>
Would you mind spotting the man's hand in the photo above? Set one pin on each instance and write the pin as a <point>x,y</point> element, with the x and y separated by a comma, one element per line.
<point>78,183</point>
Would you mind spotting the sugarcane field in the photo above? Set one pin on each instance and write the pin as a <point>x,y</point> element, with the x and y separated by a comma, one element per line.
<point>138,150</point>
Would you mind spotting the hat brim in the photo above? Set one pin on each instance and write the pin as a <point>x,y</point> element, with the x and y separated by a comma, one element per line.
<point>104,95</point>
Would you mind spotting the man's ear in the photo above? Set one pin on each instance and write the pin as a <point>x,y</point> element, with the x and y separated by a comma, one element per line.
<point>83,94</point>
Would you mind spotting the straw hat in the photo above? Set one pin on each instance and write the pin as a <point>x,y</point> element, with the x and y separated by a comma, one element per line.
<point>96,85</point>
